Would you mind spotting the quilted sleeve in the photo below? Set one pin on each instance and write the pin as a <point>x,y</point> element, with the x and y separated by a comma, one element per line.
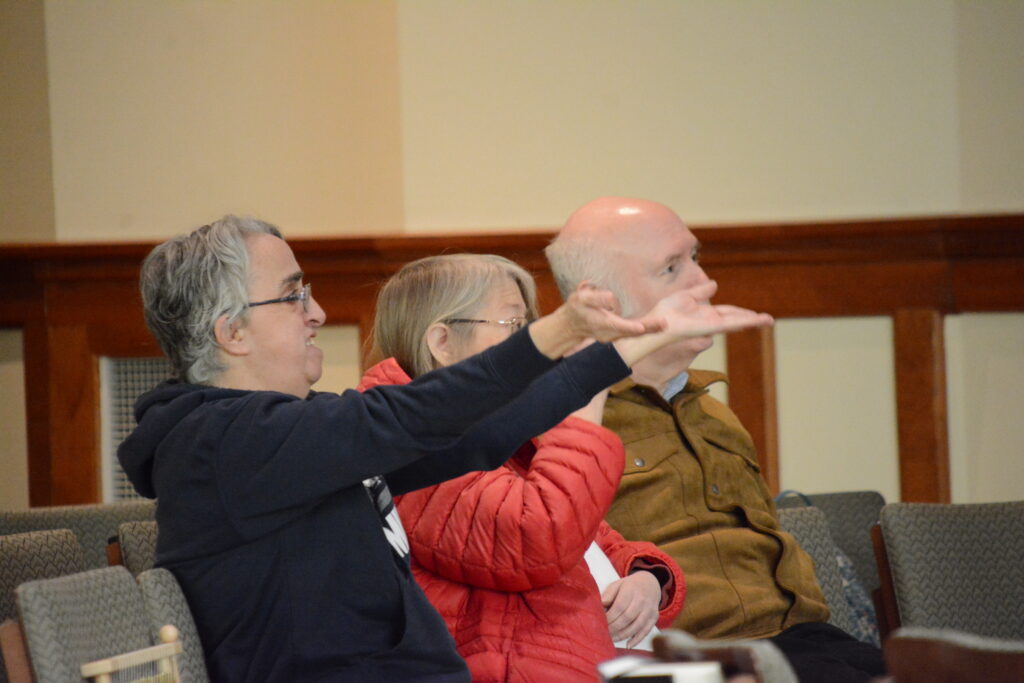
<point>507,531</point>
<point>627,556</point>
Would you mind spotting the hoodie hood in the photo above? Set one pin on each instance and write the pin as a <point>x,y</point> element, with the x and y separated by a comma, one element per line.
<point>158,412</point>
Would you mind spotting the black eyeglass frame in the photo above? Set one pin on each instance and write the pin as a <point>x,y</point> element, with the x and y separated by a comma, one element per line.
<point>515,324</point>
<point>303,295</point>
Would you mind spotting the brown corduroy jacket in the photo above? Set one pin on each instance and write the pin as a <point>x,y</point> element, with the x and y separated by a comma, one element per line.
<point>693,487</point>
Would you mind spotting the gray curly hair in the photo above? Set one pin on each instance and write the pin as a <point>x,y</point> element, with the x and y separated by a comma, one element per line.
<point>190,281</point>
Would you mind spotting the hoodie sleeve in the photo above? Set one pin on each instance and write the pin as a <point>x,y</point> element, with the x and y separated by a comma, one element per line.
<point>495,438</point>
<point>276,455</point>
<point>503,531</point>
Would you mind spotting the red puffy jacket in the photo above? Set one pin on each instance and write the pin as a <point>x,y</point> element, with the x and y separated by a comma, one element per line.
<point>500,553</point>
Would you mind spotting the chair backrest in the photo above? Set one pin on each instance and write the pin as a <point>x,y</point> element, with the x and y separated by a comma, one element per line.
<point>93,524</point>
<point>138,545</point>
<point>958,566</point>
<point>919,655</point>
<point>71,620</point>
<point>850,515</point>
<point>165,604</point>
<point>33,555</point>
<point>810,529</point>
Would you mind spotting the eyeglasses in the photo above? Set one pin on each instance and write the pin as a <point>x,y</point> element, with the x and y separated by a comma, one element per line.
<point>514,324</point>
<point>303,295</point>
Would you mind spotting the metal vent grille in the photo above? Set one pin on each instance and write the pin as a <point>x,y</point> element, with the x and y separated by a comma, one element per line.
<point>122,380</point>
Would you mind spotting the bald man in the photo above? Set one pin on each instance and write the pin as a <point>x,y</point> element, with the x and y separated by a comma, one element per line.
<point>692,484</point>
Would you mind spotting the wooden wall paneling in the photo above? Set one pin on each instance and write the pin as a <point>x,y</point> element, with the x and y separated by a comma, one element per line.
<point>920,364</point>
<point>988,284</point>
<point>36,358</point>
<point>74,417</point>
<point>750,357</point>
<point>803,290</point>
<point>75,302</point>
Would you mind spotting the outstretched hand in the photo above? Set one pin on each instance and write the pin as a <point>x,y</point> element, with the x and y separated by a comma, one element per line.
<point>689,313</point>
<point>593,313</point>
<point>588,313</point>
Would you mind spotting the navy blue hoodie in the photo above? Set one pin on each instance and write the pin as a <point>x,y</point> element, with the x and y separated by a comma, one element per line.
<point>265,521</point>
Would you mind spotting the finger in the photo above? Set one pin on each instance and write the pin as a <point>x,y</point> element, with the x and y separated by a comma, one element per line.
<point>736,322</point>
<point>594,297</point>
<point>608,597</point>
<point>614,327</point>
<point>641,632</point>
<point>729,310</point>
<point>651,323</point>
<point>627,628</point>
<point>730,323</point>
<point>626,610</point>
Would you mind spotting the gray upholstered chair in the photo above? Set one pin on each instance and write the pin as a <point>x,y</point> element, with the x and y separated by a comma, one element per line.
<point>165,604</point>
<point>137,541</point>
<point>810,528</point>
<point>850,515</point>
<point>921,655</point>
<point>35,555</point>
<point>957,566</point>
<point>93,524</point>
<point>71,620</point>
<point>23,557</point>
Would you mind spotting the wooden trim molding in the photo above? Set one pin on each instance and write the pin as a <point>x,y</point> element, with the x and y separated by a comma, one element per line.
<point>920,364</point>
<point>750,357</point>
<point>78,302</point>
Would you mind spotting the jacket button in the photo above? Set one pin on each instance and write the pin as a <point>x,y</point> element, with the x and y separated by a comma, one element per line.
<point>639,462</point>
<point>714,489</point>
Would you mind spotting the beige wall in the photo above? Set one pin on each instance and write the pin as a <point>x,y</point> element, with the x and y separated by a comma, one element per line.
<point>837,405</point>
<point>350,117</point>
<point>14,444</point>
<point>340,344</point>
<point>990,69</point>
<point>514,113</point>
<point>26,182</point>
<point>985,370</point>
<point>166,115</point>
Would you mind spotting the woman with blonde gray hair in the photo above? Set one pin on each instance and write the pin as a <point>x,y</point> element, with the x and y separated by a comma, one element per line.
<point>501,553</point>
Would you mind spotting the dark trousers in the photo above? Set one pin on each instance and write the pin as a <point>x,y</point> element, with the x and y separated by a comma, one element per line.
<point>822,653</point>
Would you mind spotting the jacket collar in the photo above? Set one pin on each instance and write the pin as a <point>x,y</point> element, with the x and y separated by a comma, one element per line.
<point>388,371</point>
<point>696,385</point>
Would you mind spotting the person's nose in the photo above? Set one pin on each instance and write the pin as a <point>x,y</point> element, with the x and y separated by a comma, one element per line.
<point>315,315</point>
<point>697,276</point>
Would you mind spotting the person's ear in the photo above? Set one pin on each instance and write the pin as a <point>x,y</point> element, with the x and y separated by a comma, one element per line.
<point>440,342</point>
<point>231,336</point>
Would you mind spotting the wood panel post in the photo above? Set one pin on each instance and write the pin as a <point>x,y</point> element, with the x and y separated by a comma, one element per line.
<point>920,363</point>
<point>750,359</point>
<point>35,351</point>
<point>74,417</point>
